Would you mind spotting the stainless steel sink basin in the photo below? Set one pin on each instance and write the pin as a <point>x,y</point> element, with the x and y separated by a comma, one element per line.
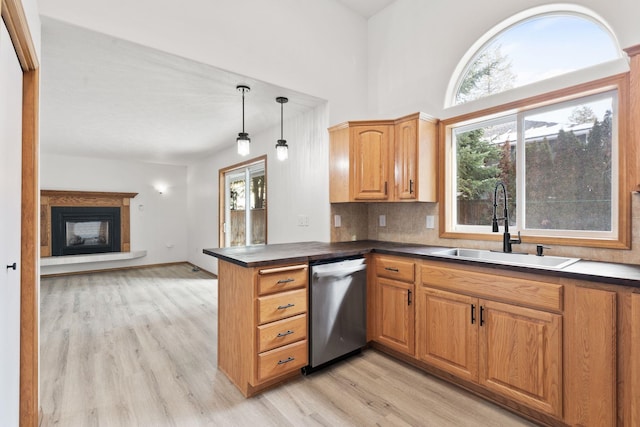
<point>527,260</point>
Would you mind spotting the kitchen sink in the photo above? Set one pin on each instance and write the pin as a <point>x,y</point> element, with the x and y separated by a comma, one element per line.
<point>522,259</point>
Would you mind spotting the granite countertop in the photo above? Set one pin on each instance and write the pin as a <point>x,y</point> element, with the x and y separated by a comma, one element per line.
<point>265,255</point>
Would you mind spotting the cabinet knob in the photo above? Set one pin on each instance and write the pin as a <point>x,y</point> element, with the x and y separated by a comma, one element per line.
<point>12,266</point>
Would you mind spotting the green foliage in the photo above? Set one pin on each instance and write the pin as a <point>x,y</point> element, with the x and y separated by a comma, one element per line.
<point>477,165</point>
<point>568,180</point>
<point>582,114</point>
<point>490,72</point>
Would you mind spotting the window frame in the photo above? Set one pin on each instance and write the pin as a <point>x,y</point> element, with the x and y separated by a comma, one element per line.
<point>621,237</point>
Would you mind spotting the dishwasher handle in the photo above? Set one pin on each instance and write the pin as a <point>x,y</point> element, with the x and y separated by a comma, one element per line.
<point>339,271</point>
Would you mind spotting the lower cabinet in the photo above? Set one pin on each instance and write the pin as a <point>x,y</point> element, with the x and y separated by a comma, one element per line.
<point>521,354</point>
<point>508,349</point>
<point>262,324</point>
<point>396,315</point>
<point>395,307</point>
<point>448,332</point>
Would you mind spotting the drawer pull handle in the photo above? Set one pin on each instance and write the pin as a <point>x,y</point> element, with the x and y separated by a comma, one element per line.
<point>283,281</point>
<point>284,334</point>
<point>410,186</point>
<point>394,269</point>
<point>287,360</point>
<point>283,307</point>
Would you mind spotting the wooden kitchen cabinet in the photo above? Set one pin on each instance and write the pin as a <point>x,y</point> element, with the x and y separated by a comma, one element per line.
<point>372,162</point>
<point>415,167</point>
<point>508,349</point>
<point>262,324</point>
<point>361,161</point>
<point>447,331</point>
<point>383,160</point>
<point>395,313</point>
<point>521,354</point>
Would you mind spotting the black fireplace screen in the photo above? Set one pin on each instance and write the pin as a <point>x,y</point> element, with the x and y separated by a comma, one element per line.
<point>84,230</point>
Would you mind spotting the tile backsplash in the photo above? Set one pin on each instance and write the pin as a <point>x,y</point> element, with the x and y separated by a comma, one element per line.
<point>406,222</point>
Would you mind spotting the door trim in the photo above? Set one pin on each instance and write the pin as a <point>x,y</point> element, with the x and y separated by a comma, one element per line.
<point>15,19</point>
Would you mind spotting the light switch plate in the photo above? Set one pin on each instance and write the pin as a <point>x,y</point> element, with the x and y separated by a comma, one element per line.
<point>337,221</point>
<point>303,220</point>
<point>382,220</point>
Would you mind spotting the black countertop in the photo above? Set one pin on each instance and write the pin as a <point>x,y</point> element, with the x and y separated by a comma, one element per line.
<point>265,255</point>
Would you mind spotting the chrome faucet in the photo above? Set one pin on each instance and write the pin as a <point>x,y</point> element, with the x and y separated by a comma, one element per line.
<point>507,241</point>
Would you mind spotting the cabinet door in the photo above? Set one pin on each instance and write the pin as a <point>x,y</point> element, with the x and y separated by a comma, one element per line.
<point>396,315</point>
<point>447,332</point>
<point>406,156</point>
<point>521,354</point>
<point>370,162</point>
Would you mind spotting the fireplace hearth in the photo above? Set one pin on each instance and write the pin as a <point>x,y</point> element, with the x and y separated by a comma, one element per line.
<point>79,230</point>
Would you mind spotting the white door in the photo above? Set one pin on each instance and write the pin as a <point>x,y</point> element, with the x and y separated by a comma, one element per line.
<point>10,182</point>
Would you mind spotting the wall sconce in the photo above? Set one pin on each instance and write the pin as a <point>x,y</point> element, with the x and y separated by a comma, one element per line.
<point>161,188</point>
<point>243,139</point>
<point>282,149</point>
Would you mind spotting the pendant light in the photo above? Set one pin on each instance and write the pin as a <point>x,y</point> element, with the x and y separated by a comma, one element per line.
<point>243,139</point>
<point>282,149</point>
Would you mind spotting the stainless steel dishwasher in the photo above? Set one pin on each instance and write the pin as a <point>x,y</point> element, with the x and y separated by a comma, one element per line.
<point>337,304</point>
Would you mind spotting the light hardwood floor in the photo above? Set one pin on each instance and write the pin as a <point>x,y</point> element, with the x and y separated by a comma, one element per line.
<point>138,348</point>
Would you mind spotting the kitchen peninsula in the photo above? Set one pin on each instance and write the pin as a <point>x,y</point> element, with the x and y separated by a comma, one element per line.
<point>554,345</point>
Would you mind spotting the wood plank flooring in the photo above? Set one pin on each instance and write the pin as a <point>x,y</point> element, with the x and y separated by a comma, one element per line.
<point>138,348</point>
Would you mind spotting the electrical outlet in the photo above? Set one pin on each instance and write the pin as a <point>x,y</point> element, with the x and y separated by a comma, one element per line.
<point>431,222</point>
<point>303,221</point>
<point>382,220</point>
<point>337,221</point>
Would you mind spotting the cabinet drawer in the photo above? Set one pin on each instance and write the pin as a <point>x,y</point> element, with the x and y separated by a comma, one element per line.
<point>282,360</point>
<point>272,280</point>
<point>393,268</point>
<point>281,305</point>
<point>282,332</point>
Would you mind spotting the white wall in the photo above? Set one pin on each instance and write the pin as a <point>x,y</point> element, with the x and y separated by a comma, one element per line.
<point>314,47</point>
<point>414,46</point>
<point>298,186</point>
<point>162,220</point>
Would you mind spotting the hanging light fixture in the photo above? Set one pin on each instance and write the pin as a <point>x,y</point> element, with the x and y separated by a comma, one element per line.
<point>282,149</point>
<point>243,137</point>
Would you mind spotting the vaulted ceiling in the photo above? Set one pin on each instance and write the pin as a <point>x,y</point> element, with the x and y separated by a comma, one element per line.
<point>102,97</point>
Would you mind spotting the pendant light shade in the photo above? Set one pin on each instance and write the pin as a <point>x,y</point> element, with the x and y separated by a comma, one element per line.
<point>243,139</point>
<point>282,149</point>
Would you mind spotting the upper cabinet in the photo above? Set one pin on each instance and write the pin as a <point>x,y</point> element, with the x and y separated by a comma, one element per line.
<point>383,160</point>
<point>415,159</point>
<point>371,166</point>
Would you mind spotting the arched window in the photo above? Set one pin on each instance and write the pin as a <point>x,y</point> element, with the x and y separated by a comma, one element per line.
<point>548,121</point>
<point>536,45</point>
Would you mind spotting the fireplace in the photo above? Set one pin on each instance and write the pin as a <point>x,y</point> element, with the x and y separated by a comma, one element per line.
<point>79,230</point>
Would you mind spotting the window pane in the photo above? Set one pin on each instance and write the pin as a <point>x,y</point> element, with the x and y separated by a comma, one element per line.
<point>568,176</point>
<point>535,49</point>
<point>485,154</point>
<point>258,208</point>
